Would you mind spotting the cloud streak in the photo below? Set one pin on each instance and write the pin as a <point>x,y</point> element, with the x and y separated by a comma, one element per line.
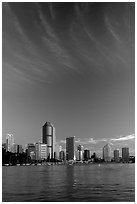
<point>124,138</point>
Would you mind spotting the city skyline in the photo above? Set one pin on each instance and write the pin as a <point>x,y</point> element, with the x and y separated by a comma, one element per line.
<point>76,147</point>
<point>71,64</point>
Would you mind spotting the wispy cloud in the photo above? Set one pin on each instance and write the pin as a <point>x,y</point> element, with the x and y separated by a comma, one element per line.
<point>53,41</point>
<point>111,29</point>
<point>18,28</point>
<point>123,138</point>
<point>86,141</point>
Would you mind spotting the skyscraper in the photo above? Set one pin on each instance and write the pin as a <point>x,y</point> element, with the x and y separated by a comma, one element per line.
<point>48,138</point>
<point>79,153</point>
<point>116,155</point>
<point>62,155</point>
<point>86,154</point>
<point>107,153</point>
<point>9,142</point>
<point>125,154</point>
<point>70,148</point>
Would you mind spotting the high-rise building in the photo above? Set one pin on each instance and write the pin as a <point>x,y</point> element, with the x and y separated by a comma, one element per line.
<point>19,149</point>
<point>86,154</point>
<point>57,150</point>
<point>41,151</point>
<point>125,154</point>
<point>9,142</point>
<point>49,138</point>
<point>116,155</point>
<point>94,157</point>
<point>31,149</point>
<point>37,151</point>
<point>79,148</point>
<point>70,142</point>
<point>15,148</point>
<point>107,153</point>
<point>79,153</point>
<point>62,155</point>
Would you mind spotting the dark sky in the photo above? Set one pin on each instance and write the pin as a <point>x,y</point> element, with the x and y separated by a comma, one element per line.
<point>71,64</point>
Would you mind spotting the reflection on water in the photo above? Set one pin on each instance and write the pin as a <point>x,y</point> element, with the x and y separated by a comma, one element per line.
<point>112,182</point>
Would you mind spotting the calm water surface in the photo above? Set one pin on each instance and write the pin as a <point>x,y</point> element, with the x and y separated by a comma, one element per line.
<point>107,182</point>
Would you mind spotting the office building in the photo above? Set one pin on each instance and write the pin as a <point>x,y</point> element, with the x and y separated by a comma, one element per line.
<point>107,153</point>
<point>43,151</point>
<point>40,151</point>
<point>116,155</point>
<point>94,157</point>
<point>9,142</point>
<point>19,149</point>
<point>79,153</point>
<point>49,138</point>
<point>14,148</point>
<point>32,155</point>
<point>125,154</point>
<point>30,149</point>
<point>70,148</point>
<point>62,155</point>
<point>79,148</point>
<point>86,154</point>
<point>57,151</point>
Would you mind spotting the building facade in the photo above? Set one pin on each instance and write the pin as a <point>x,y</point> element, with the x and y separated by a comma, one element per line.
<point>31,150</point>
<point>40,151</point>
<point>116,155</point>
<point>125,154</point>
<point>86,154</point>
<point>10,142</point>
<point>70,148</point>
<point>49,138</point>
<point>79,153</point>
<point>107,153</point>
<point>62,155</point>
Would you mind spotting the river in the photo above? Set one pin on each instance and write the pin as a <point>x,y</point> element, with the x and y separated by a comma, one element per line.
<point>65,183</point>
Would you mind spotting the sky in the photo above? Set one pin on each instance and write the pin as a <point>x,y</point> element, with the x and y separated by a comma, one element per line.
<point>72,64</point>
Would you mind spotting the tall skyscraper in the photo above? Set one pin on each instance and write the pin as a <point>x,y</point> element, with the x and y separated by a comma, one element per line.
<point>70,142</point>
<point>107,153</point>
<point>125,154</point>
<point>9,142</point>
<point>49,138</point>
<point>116,155</point>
